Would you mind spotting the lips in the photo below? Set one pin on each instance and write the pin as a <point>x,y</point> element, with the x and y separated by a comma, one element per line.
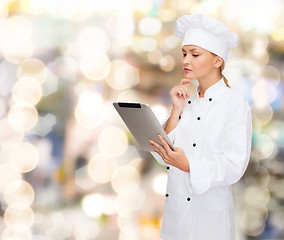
<point>187,70</point>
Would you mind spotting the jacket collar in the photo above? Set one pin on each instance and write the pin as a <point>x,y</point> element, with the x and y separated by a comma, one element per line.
<point>213,91</point>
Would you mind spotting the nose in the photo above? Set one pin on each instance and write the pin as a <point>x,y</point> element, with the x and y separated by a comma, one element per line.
<point>185,60</point>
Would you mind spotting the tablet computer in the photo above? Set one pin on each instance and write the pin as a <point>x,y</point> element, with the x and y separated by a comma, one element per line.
<point>142,123</point>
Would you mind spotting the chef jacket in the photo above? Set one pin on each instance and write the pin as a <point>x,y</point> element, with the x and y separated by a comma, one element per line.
<point>215,133</point>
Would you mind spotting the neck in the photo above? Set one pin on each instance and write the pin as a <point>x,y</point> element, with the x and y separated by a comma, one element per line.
<point>206,82</point>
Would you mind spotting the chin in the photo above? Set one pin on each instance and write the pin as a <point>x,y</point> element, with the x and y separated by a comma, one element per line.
<point>186,76</point>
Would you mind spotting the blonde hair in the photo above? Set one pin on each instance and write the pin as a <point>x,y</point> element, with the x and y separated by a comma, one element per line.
<point>221,70</point>
<point>225,79</point>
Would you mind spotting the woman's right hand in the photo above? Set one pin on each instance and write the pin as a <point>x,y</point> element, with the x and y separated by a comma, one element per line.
<point>180,94</point>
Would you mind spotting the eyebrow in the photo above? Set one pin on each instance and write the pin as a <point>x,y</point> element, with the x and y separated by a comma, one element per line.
<point>190,49</point>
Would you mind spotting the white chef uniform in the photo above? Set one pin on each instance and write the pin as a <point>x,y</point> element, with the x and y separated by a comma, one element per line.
<point>215,133</point>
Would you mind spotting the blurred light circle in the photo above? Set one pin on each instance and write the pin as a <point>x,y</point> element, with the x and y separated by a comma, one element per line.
<point>113,141</point>
<point>101,168</point>
<point>209,8</point>
<point>271,74</point>
<point>263,93</point>
<point>154,56</point>
<point>150,26</point>
<point>130,201</point>
<point>253,219</point>
<point>143,6</point>
<point>129,232</point>
<point>89,121</point>
<point>76,11</point>
<point>86,230</point>
<point>21,217</point>
<point>93,39</point>
<point>167,63</point>
<point>129,95</point>
<point>33,68</point>
<point>255,46</point>
<point>95,67</point>
<point>109,205</point>
<point>8,173</point>
<point>278,34</point>
<point>18,52</point>
<point>257,195</point>
<point>263,113</point>
<point>167,14</point>
<point>122,221</point>
<point>160,112</point>
<point>22,118</point>
<point>123,75</point>
<point>19,194</point>
<point>170,42</point>
<point>120,26</point>
<point>33,6</point>
<point>276,131</point>
<point>90,102</point>
<point>159,183</point>
<point>24,156</point>
<point>16,29</point>
<point>259,175</point>
<point>147,44</point>
<point>93,205</point>
<point>264,146</point>
<point>125,178</point>
<point>27,91</point>
<point>9,137</point>
<point>4,10</point>
<point>16,232</point>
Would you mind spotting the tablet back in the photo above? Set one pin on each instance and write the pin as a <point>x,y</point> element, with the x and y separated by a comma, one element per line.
<point>142,123</point>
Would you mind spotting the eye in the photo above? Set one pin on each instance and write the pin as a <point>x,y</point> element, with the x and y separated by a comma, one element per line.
<point>195,55</point>
<point>184,54</point>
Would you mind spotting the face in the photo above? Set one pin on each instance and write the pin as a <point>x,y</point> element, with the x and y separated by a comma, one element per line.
<point>198,62</point>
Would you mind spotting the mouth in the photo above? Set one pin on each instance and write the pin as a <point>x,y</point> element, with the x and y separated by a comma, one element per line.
<point>187,70</point>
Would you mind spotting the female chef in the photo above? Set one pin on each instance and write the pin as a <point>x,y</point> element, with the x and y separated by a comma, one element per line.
<point>211,132</point>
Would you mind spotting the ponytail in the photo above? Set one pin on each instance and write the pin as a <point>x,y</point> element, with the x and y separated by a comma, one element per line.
<point>225,79</point>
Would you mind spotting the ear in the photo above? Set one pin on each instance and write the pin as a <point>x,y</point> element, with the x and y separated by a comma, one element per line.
<point>218,61</point>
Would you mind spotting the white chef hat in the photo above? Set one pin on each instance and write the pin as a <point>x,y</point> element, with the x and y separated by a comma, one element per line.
<point>207,33</point>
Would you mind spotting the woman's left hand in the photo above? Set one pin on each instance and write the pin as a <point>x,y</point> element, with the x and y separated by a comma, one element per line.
<point>175,158</point>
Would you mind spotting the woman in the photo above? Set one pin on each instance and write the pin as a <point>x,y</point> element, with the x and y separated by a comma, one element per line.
<point>211,132</point>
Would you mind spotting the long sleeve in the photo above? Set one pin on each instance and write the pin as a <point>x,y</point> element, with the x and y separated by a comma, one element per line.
<point>229,162</point>
<point>171,136</point>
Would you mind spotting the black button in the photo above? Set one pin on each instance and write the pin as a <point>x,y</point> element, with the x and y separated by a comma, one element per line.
<point>210,99</point>
<point>168,167</point>
<point>198,118</point>
<point>188,199</point>
<point>167,195</point>
<point>194,144</point>
<point>179,117</point>
<point>189,102</point>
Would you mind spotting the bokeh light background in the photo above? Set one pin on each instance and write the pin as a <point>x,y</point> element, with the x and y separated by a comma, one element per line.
<point>69,168</point>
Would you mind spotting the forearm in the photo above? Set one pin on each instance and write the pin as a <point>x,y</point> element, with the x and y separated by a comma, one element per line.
<point>173,120</point>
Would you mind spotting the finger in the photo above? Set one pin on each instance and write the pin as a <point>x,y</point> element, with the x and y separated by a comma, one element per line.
<point>179,93</point>
<point>165,144</point>
<point>184,81</point>
<point>183,93</point>
<point>161,154</point>
<point>186,90</point>
<point>152,145</point>
<point>158,147</point>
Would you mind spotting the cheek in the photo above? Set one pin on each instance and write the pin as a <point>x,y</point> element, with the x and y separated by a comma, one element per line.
<point>202,64</point>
